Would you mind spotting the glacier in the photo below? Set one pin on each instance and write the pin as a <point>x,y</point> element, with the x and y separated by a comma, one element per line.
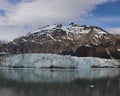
<point>39,60</point>
<point>36,67</point>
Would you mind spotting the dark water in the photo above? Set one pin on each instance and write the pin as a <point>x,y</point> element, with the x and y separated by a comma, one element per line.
<point>41,82</point>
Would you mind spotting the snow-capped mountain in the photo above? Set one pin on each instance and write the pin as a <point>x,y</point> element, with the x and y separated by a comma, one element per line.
<point>1,42</point>
<point>71,28</point>
<point>74,39</point>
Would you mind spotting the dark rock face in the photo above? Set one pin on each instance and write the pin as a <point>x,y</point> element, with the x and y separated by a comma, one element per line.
<point>58,32</point>
<point>98,51</point>
<point>96,42</point>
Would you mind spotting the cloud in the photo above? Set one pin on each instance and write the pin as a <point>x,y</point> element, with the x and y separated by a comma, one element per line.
<point>114,30</point>
<point>35,13</point>
<point>10,32</point>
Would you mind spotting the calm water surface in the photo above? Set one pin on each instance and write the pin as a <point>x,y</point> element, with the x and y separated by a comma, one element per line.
<point>45,82</point>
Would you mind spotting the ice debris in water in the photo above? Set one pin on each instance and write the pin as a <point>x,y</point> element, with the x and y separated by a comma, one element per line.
<point>92,86</point>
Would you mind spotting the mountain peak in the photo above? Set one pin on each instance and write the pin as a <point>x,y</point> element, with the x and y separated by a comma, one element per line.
<point>71,28</point>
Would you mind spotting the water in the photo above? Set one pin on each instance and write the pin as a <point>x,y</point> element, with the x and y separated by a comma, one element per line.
<point>65,82</point>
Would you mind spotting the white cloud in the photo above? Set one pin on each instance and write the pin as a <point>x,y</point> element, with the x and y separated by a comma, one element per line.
<point>41,12</point>
<point>114,30</point>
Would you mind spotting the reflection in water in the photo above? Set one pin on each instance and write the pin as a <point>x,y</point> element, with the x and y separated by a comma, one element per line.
<point>45,82</point>
<point>47,75</point>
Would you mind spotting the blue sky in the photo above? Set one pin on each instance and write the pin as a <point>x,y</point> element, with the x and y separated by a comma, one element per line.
<point>106,15</point>
<point>17,17</point>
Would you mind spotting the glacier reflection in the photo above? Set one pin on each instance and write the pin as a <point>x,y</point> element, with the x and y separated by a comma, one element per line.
<point>47,75</point>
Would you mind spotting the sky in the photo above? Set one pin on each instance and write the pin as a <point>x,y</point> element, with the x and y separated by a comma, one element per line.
<point>18,17</point>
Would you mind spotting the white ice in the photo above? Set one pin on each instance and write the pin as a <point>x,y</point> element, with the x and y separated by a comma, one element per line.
<point>38,60</point>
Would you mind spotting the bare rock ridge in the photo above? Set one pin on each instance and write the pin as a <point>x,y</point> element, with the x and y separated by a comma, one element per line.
<point>1,42</point>
<point>75,40</point>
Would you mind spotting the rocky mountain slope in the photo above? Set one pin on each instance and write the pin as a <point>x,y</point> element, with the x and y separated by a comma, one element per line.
<point>1,42</point>
<point>75,40</point>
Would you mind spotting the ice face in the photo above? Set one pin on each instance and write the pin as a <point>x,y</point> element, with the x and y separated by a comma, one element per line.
<point>51,60</point>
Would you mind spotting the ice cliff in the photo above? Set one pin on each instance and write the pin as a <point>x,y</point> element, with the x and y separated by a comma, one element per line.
<point>38,60</point>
